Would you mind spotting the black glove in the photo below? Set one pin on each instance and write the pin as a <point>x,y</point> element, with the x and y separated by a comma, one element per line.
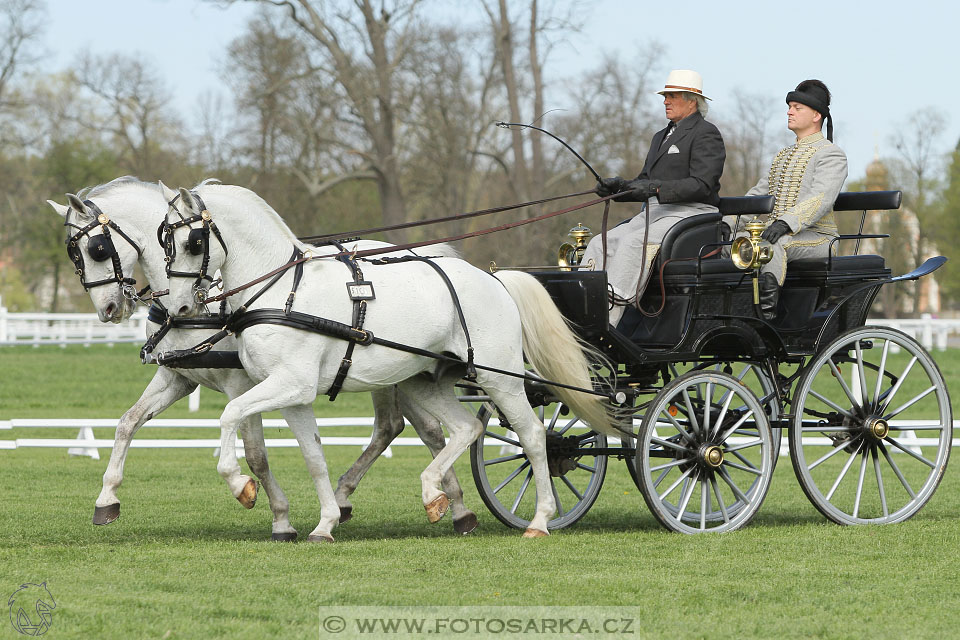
<point>609,186</point>
<point>775,230</point>
<point>638,190</point>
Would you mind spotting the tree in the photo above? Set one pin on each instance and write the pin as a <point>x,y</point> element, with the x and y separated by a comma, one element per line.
<point>946,228</point>
<point>749,141</point>
<point>21,25</point>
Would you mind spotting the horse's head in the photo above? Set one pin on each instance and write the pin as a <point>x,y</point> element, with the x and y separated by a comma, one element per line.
<point>103,256</point>
<point>194,248</point>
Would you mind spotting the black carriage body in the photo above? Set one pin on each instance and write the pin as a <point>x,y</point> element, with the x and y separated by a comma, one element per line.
<point>707,303</point>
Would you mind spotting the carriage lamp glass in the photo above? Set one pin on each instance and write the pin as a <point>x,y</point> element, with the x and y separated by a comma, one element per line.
<point>751,251</point>
<point>570,255</point>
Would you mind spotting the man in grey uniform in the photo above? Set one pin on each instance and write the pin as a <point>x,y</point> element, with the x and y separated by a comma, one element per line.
<point>681,177</point>
<point>804,179</point>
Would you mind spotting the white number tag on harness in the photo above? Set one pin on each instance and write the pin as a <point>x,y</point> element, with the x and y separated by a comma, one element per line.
<point>361,290</point>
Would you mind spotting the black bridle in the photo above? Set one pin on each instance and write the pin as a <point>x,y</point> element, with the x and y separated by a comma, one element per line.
<point>100,247</point>
<point>198,243</point>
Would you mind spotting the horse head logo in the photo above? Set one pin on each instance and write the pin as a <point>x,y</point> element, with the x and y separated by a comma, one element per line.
<point>30,609</point>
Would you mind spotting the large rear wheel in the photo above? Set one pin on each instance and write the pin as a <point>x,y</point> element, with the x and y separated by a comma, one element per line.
<point>872,427</point>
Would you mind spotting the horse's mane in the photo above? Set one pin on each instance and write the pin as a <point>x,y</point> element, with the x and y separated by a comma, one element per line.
<point>102,189</point>
<point>269,212</point>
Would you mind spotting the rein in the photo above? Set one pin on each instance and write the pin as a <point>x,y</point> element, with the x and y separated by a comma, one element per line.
<point>411,245</point>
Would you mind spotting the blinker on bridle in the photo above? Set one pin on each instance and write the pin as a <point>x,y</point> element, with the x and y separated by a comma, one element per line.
<point>100,247</point>
<point>198,243</point>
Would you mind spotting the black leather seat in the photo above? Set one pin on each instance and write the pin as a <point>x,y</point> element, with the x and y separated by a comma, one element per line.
<point>839,263</point>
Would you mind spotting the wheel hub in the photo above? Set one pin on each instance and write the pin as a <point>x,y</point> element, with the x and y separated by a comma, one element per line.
<point>711,455</point>
<point>876,428</point>
<point>561,454</point>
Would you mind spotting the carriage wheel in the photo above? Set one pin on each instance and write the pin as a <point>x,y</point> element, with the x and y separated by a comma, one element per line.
<point>705,454</point>
<point>755,378</point>
<point>876,398</point>
<point>505,480</point>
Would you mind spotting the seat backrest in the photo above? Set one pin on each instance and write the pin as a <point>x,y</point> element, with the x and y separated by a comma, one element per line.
<point>868,201</point>
<point>686,237</point>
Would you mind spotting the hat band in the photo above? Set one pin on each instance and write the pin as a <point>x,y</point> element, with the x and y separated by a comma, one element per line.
<point>676,86</point>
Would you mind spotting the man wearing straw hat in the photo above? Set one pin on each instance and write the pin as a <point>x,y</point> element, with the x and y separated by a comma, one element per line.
<point>681,177</point>
<point>805,179</point>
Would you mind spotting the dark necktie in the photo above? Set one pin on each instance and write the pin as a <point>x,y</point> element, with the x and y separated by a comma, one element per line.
<point>670,130</point>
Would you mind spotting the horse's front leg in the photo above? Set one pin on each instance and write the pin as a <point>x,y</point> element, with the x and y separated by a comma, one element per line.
<point>293,396</point>
<point>164,389</point>
<point>255,450</point>
<point>387,425</point>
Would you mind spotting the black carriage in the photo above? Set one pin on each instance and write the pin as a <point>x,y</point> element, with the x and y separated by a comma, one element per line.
<point>712,388</point>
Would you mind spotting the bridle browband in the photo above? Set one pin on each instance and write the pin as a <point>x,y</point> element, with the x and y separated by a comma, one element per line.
<point>198,242</point>
<point>100,247</point>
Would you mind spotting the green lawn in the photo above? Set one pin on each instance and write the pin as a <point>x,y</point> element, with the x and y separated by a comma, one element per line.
<point>186,561</point>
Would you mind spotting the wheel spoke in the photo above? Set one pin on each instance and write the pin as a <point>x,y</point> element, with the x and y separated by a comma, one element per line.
<point>829,429</point>
<point>676,425</point>
<point>896,387</point>
<point>675,484</point>
<point>690,414</point>
<point>876,469</point>
<point>566,427</point>
<point>516,456</point>
<point>580,465</point>
<point>512,475</point>
<point>745,445</point>
<point>748,469</point>
<point>880,370</point>
<point>523,489</point>
<point>736,426</point>
<point>912,453</point>
<point>733,487</point>
<point>832,405</point>
<point>864,397</point>
<point>896,470</point>
<point>703,504</point>
<point>489,434</point>
<point>556,498</point>
<point>673,463</point>
<point>723,413</point>
<point>843,472</point>
<point>843,383</point>
<point>863,470</point>
<point>554,418</point>
<point>572,488</point>
<point>916,427</point>
<point>917,398</point>
<point>668,444</point>
<point>707,405</point>
<point>716,491</point>
<point>686,494</point>
<point>830,454</point>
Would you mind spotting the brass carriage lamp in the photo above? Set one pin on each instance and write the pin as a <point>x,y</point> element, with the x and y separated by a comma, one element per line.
<point>570,255</point>
<point>752,252</point>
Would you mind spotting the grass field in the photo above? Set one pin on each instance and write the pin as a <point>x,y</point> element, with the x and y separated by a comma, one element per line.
<point>186,561</point>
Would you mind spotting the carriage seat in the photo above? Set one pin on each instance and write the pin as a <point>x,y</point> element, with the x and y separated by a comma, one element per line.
<point>686,238</point>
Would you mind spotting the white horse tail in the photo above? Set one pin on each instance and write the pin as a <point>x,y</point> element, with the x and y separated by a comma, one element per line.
<point>554,350</point>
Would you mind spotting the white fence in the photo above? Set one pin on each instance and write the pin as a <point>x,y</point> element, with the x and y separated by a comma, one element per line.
<point>68,328</point>
<point>86,329</point>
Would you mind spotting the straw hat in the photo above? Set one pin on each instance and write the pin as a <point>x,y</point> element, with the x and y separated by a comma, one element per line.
<point>684,80</point>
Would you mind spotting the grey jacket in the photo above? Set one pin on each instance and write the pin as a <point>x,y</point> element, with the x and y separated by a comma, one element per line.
<point>689,164</point>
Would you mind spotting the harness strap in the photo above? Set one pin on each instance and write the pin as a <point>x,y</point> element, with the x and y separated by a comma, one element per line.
<point>359,314</point>
<point>471,368</point>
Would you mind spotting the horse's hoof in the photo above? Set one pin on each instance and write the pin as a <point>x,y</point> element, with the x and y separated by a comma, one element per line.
<point>535,533</point>
<point>284,537</point>
<point>248,497</point>
<point>107,514</point>
<point>345,514</point>
<point>465,524</point>
<point>313,537</point>
<point>437,508</point>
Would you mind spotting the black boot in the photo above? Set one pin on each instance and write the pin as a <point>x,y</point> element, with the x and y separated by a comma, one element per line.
<point>769,294</point>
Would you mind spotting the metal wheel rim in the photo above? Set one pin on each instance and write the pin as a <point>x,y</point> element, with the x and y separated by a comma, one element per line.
<point>586,479</point>
<point>682,491</point>
<point>889,483</point>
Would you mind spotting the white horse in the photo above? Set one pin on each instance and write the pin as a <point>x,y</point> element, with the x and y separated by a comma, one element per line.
<point>506,316</point>
<point>138,208</point>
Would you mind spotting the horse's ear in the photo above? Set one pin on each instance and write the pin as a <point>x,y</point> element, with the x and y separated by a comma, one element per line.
<point>168,193</point>
<point>59,208</point>
<point>189,202</point>
<point>77,205</point>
